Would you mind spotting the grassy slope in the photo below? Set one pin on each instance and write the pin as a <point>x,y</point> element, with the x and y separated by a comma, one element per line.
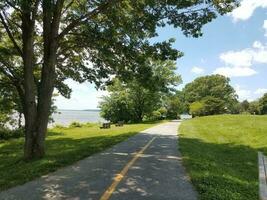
<point>64,146</point>
<point>220,154</point>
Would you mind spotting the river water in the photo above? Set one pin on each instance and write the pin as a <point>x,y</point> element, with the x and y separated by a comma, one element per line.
<point>65,117</point>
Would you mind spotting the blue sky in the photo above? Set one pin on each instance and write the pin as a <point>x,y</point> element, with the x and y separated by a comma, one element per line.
<point>234,45</point>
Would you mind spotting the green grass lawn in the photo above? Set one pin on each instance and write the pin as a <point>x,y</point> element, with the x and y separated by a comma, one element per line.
<point>220,154</point>
<point>64,147</point>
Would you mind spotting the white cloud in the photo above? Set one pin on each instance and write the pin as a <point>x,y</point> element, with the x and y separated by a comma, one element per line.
<point>257,45</point>
<point>265,27</point>
<point>241,58</point>
<point>247,8</point>
<point>235,71</point>
<point>197,70</point>
<point>243,94</point>
<point>260,56</point>
<point>261,91</point>
<point>240,63</point>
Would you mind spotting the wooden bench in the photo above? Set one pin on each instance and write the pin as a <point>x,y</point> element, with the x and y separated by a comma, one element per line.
<point>262,176</point>
<point>119,123</point>
<point>105,125</point>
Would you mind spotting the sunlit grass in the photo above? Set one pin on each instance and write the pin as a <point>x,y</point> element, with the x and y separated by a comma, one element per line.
<point>64,146</point>
<point>220,154</point>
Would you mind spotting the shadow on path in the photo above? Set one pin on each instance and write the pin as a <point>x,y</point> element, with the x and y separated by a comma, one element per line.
<point>157,174</point>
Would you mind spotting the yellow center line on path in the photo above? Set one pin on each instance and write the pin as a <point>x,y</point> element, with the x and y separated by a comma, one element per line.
<point>123,172</point>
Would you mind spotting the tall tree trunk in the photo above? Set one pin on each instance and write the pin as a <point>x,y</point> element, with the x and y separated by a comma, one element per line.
<point>30,110</point>
<point>37,98</point>
<point>34,147</point>
<point>34,138</point>
<point>45,92</point>
<point>51,20</point>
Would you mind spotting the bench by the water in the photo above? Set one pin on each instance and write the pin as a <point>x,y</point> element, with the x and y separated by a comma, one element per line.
<point>262,176</point>
<point>119,123</point>
<point>105,125</point>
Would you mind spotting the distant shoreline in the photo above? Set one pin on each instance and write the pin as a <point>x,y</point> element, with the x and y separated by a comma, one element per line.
<point>92,110</point>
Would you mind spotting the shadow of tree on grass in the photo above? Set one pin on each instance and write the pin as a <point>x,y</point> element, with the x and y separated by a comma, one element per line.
<point>221,171</point>
<point>60,152</point>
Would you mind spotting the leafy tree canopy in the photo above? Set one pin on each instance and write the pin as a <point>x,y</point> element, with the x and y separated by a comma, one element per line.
<point>216,86</point>
<point>133,100</point>
<point>99,38</point>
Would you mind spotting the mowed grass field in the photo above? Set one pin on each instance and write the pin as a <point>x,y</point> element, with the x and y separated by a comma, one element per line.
<point>64,146</point>
<point>220,154</point>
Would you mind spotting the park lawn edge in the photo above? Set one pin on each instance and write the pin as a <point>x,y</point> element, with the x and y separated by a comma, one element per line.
<point>220,155</point>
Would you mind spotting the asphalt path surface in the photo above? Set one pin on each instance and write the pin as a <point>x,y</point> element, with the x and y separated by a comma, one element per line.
<point>146,166</point>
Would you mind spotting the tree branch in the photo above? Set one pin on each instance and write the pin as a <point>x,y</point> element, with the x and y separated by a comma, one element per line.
<point>10,35</point>
<point>67,6</point>
<point>13,6</point>
<point>9,22</point>
<point>78,21</point>
<point>35,9</point>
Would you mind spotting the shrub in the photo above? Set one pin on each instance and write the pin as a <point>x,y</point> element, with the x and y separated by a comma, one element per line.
<point>163,112</point>
<point>196,108</point>
<point>208,106</point>
<point>254,108</point>
<point>6,134</point>
<point>88,124</point>
<point>155,115</point>
<point>75,125</point>
<point>59,126</point>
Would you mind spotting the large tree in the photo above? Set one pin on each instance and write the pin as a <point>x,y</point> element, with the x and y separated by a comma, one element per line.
<point>140,96</point>
<point>48,41</point>
<point>207,88</point>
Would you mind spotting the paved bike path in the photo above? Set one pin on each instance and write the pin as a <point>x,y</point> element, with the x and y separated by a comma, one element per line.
<point>146,166</point>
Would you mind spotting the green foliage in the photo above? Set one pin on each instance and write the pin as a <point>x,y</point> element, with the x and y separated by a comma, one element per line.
<point>64,147</point>
<point>59,126</point>
<point>213,106</point>
<point>132,100</point>
<point>117,37</point>
<point>155,115</point>
<point>254,108</point>
<point>116,107</point>
<point>244,106</point>
<point>175,105</point>
<point>163,112</point>
<point>75,125</point>
<point>115,41</point>
<point>207,106</point>
<point>214,92</point>
<point>196,109</point>
<point>263,104</point>
<point>8,104</point>
<point>220,154</point>
<point>6,133</point>
<point>89,124</point>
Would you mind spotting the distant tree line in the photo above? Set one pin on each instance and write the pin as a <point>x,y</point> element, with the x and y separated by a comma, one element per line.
<point>157,98</point>
<point>257,107</point>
